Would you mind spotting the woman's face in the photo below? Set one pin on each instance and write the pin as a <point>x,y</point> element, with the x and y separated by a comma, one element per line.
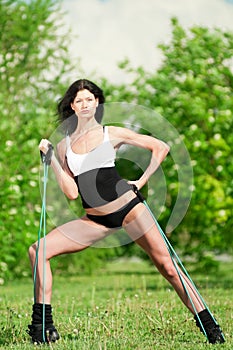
<point>85,104</point>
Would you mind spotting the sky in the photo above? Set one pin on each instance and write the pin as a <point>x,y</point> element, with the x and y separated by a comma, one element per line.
<point>105,32</point>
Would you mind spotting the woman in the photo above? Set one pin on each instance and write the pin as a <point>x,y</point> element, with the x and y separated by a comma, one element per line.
<point>85,166</point>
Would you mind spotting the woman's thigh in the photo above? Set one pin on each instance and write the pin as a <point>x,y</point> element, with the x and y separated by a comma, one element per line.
<point>73,236</point>
<point>141,227</point>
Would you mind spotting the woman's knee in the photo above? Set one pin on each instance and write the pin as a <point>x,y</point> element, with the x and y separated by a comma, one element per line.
<point>32,251</point>
<point>167,269</point>
<point>170,271</point>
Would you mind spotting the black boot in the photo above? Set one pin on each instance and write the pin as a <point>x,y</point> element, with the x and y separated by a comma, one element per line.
<point>212,329</point>
<point>36,328</point>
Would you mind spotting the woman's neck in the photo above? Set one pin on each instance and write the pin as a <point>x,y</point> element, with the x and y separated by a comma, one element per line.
<point>85,126</point>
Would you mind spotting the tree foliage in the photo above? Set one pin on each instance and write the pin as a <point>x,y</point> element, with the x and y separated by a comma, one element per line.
<point>193,90</point>
<point>33,59</point>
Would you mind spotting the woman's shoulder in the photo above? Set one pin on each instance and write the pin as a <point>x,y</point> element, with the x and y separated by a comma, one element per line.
<point>121,132</point>
<point>117,130</point>
<point>61,148</point>
<point>62,143</point>
<point>119,135</point>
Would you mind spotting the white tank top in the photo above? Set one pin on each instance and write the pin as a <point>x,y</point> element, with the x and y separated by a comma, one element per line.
<point>102,156</point>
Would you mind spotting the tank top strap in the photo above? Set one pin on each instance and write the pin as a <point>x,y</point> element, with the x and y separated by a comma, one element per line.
<point>106,135</point>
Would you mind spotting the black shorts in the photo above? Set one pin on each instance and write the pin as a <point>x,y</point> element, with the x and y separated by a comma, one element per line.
<point>115,220</point>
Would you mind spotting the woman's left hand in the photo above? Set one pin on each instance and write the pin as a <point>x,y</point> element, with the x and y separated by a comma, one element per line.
<point>136,183</point>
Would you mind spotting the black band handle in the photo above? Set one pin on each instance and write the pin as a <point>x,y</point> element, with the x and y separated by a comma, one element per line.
<point>138,193</point>
<point>46,158</point>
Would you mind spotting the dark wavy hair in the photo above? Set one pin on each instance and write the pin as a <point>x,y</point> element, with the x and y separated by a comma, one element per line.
<point>66,114</point>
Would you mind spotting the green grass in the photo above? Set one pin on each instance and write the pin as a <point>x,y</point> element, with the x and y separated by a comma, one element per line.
<point>128,305</point>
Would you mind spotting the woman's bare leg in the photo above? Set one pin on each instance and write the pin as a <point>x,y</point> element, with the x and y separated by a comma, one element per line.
<point>153,244</point>
<point>155,247</point>
<point>139,220</point>
<point>72,237</point>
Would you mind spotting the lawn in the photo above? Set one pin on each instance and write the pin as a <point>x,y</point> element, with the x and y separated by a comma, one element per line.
<point>127,305</point>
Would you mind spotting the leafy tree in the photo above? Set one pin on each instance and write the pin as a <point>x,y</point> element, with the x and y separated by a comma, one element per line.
<point>33,60</point>
<point>193,90</point>
<point>34,66</point>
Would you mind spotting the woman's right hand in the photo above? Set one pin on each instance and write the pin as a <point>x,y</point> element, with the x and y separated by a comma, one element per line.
<point>44,145</point>
<point>65,181</point>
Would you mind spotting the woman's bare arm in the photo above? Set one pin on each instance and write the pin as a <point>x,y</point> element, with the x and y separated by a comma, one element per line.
<point>158,148</point>
<point>63,175</point>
